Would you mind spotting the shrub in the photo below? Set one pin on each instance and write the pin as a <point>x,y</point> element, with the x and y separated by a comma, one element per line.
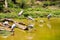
<point>46,3</point>
<point>49,3</point>
<point>33,2</point>
<point>1,6</point>
<point>10,4</point>
<point>26,15</point>
<point>57,13</point>
<point>22,4</point>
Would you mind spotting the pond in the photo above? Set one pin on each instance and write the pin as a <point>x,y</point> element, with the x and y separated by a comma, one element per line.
<point>47,30</point>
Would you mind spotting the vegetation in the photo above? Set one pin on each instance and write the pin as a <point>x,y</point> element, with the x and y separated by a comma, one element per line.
<point>34,12</point>
<point>36,9</point>
<point>4,33</point>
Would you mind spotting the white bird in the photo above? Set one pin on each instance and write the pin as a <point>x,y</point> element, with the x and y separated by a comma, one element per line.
<point>49,16</point>
<point>20,13</point>
<point>13,26</point>
<point>6,23</point>
<point>31,26</point>
<point>30,18</point>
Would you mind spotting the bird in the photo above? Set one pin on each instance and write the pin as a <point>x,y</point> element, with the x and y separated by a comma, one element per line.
<point>20,13</point>
<point>49,16</point>
<point>30,25</point>
<point>30,18</point>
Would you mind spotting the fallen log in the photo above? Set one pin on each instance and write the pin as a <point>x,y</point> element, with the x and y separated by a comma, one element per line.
<point>20,26</point>
<point>24,26</point>
<point>6,19</point>
<point>22,23</point>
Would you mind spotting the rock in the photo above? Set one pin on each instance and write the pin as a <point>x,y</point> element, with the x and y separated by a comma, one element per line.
<point>49,26</point>
<point>7,19</point>
<point>29,38</point>
<point>42,21</point>
<point>31,26</point>
<point>41,25</point>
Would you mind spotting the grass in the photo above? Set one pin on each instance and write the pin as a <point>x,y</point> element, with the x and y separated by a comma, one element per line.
<point>34,12</point>
<point>4,33</point>
<point>41,33</point>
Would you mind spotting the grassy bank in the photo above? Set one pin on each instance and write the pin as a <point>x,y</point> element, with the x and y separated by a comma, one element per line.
<point>34,12</point>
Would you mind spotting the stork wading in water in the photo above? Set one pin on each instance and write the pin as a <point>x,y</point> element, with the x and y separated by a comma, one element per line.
<point>49,16</point>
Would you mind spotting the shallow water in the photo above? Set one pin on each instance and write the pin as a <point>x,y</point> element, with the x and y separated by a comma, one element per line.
<point>38,33</point>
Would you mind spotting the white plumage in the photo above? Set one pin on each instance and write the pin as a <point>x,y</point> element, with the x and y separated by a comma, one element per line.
<point>6,22</point>
<point>20,13</point>
<point>31,25</point>
<point>13,26</point>
<point>30,18</point>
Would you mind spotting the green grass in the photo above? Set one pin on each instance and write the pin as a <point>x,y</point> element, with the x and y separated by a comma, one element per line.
<point>34,12</point>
